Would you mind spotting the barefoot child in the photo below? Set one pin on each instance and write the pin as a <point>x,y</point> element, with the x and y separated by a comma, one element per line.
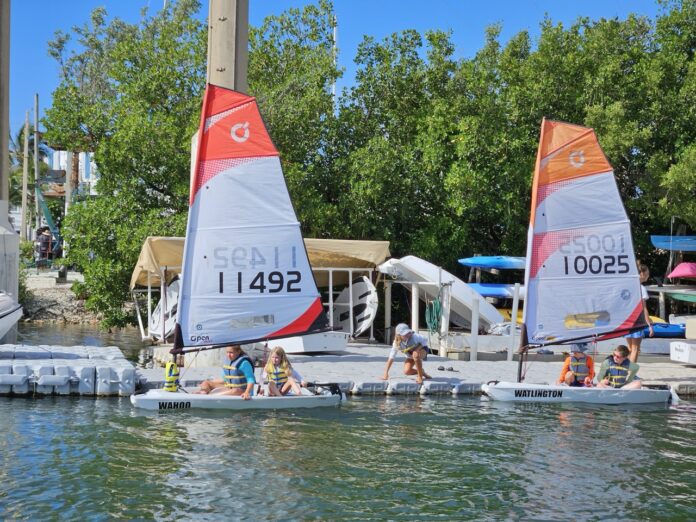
<point>415,347</point>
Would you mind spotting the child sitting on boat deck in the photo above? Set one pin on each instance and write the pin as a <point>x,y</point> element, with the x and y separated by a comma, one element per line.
<point>281,376</point>
<point>578,368</point>
<point>237,376</point>
<point>617,371</point>
<point>415,347</point>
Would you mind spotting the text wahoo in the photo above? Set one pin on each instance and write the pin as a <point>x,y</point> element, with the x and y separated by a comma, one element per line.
<point>170,405</point>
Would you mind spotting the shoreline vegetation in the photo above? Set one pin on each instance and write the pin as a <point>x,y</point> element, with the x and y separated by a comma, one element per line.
<point>428,150</point>
<point>45,300</point>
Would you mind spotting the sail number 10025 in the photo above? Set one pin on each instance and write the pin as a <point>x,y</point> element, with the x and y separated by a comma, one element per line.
<point>606,264</point>
<point>272,282</point>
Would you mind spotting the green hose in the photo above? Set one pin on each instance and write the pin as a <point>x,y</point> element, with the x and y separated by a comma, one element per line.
<point>433,314</point>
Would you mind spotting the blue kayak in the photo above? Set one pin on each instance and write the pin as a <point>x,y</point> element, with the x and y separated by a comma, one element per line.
<point>676,243</point>
<point>497,290</point>
<point>497,262</point>
<point>666,330</point>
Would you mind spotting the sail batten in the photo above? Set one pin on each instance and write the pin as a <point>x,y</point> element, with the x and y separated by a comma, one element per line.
<point>581,276</point>
<point>246,275</point>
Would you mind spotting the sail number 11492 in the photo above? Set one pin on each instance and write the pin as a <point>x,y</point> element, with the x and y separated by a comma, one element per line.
<point>272,282</point>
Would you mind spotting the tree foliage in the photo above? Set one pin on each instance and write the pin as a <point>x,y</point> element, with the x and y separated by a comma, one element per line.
<point>430,152</point>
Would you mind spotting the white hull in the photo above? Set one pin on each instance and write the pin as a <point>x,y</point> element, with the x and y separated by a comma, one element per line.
<point>684,352</point>
<point>155,325</point>
<point>162,400</point>
<point>365,304</point>
<point>313,343</point>
<point>10,313</point>
<point>523,392</point>
<point>417,270</point>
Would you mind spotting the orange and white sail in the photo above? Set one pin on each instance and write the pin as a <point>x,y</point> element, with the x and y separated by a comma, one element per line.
<point>581,276</point>
<point>246,275</point>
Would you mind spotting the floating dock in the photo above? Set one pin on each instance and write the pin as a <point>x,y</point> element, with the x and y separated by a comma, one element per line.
<point>103,371</point>
<point>359,369</point>
<point>65,370</point>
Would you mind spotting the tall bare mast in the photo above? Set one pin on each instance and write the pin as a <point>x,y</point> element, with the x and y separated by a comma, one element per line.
<point>36,158</point>
<point>25,178</point>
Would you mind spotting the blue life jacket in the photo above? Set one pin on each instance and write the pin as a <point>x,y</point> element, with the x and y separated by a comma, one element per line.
<point>234,377</point>
<point>618,373</point>
<point>579,368</point>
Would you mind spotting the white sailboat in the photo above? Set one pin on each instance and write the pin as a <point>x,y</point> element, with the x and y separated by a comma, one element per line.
<point>246,275</point>
<point>581,277</point>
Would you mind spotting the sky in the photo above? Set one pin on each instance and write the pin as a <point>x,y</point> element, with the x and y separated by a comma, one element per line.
<point>33,24</point>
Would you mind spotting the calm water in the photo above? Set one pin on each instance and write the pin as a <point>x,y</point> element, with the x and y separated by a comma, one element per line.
<point>381,458</point>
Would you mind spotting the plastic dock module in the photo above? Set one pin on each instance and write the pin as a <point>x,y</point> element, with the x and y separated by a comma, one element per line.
<point>65,370</point>
<point>436,388</point>
<point>467,388</point>
<point>403,388</point>
<point>370,388</point>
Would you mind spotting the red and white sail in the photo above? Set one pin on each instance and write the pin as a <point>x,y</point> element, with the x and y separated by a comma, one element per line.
<point>581,276</point>
<point>246,275</point>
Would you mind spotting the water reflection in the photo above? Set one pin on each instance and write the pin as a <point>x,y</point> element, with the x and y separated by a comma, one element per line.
<point>396,458</point>
<point>127,339</point>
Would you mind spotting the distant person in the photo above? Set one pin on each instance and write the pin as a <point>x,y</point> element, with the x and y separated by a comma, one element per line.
<point>635,338</point>
<point>578,368</point>
<point>282,378</point>
<point>618,371</point>
<point>237,376</point>
<point>44,239</point>
<point>414,347</point>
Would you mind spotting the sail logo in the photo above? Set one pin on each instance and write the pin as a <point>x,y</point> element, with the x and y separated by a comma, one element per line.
<point>240,132</point>
<point>577,158</point>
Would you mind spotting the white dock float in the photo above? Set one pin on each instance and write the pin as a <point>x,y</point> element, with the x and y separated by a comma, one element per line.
<point>403,388</point>
<point>65,370</point>
<point>436,388</point>
<point>369,388</point>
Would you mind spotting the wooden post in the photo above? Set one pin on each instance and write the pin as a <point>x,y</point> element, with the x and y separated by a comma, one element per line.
<point>415,308</point>
<point>387,311</point>
<point>473,354</point>
<point>25,178</point>
<point>4,100</point>
<point>36,159</point>
<point>513,319</point>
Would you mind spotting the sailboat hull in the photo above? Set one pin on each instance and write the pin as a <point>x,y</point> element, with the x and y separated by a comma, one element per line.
<point>523,392</point>
<point>164,401</point>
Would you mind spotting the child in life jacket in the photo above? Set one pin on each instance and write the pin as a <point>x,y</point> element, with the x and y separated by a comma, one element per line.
<point>281,376</point>
<point>578,368</point>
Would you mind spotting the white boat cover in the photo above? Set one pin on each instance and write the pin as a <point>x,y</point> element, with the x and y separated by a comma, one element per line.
<point>158,253</point>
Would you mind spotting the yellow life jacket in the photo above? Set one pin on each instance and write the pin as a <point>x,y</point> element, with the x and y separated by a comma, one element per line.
<point>171,377</point>
<point>278,375</point>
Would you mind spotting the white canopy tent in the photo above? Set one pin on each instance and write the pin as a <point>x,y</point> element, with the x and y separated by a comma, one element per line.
<point>334,262</point>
